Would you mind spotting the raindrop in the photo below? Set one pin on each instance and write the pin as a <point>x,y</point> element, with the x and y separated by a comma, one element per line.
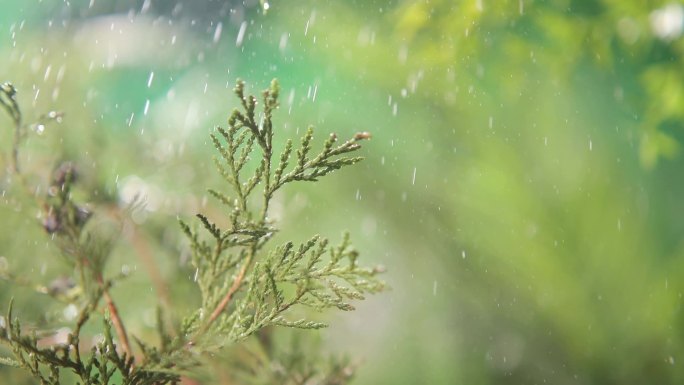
<point>60,74</point>
<point>149,79</point>
<point>463,254</point>
<point>491,122</point>
<point>283,41</point>
<point>217,32</point>
<point>130,120</point>
<point>394,109</point>
<point>146,6</point>
<point>47,72</point>
<point>358,194</point>
<point>434,287</point>
<point>147,107</point>
<point>241,34</point>
<point>403,54</point>
<point>290,100</point>
<point>591,145</point>
<point>521,7</point>
<point>194,279</point>
<point>413,181</point>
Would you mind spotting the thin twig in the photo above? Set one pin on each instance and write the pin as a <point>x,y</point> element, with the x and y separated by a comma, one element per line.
<point>233,288</point>
<point>116,319</point>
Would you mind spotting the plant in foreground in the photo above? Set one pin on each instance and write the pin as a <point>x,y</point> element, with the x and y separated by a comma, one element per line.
<point>245,287</point>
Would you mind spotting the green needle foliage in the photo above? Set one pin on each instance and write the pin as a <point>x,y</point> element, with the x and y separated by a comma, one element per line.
<point>246,287</point>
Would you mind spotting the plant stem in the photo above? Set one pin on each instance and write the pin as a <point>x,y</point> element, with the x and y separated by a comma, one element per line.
<point>231,291</point>
<point>116,319</point>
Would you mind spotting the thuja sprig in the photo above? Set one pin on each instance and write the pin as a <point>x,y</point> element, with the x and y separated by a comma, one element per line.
<point>243,287</point>
<point>9,103</point>
<point>86,252</point>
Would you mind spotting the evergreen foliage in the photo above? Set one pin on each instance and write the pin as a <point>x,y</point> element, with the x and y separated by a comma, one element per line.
<point>245,286</point>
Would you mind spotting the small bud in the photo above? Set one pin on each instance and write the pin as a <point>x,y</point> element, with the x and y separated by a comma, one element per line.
<point>61,285</point>
<point>65,174</point>
<point>51,223</point>
<point>362,135</point>
<point>82,216</point>
<point>8,89</point>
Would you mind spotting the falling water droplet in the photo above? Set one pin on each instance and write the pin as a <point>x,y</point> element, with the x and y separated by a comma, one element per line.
<point>241,34</point>
<point>217,32</point>
<point>149,79</point>
<point>283,42</point>
<point>146,6</point>
<point>147,107</point>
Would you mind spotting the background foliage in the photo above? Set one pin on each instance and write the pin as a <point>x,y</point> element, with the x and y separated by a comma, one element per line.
<point>523,182</point>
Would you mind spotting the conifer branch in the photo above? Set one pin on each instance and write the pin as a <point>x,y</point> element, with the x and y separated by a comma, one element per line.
<point>263,303</point>
<point>9,102</point>
<point>244,287</point>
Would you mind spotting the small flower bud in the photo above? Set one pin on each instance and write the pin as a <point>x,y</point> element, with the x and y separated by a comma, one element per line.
<point>362,135</point>
<point>51,223</point>
<point>65,173</point>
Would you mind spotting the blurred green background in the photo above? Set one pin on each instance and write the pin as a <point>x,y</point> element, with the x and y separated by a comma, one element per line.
<point>523,187</point>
